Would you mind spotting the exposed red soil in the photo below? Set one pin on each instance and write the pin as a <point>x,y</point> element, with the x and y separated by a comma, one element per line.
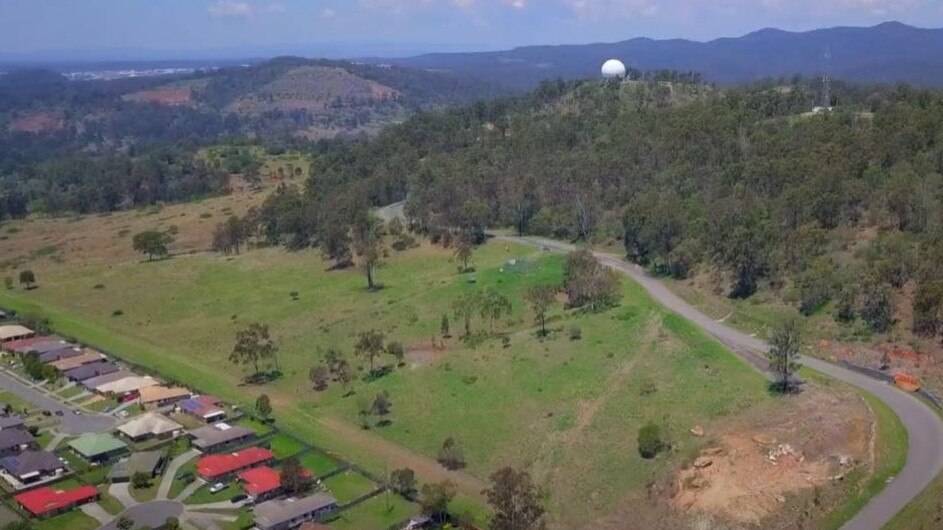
<point>38,122</point>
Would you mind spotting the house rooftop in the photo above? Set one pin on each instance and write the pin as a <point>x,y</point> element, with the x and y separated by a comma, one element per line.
<point>216,465</point>
<point>90,370</point>
<point>274,512</point>
<point>14,331</point>
<point>97,444</point>
<point>44,500</point>
<point>31,463</point>
<point>219,433</point>
<point>142,461</point>
<point>12,438</point>
<point>150,423</point>
<point>154,394</point>
<point>69,363</point>
<point>94,382</point>
<point>128,384</point>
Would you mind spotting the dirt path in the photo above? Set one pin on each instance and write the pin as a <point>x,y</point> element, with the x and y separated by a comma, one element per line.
<point>398,456</point>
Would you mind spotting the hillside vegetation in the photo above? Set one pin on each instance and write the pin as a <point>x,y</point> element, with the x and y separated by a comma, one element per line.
<point>836,213</point>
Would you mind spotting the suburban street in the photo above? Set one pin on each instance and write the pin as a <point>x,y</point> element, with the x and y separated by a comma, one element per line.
<point>70,422</point>
<point>925,429</point>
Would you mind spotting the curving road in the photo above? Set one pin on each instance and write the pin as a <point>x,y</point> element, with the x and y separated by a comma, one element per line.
<point>925,450</point>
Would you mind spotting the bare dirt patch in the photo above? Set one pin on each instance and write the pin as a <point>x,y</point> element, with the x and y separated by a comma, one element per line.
<point>747,475</point>
<point>38,122</point>
<point>170,96</point>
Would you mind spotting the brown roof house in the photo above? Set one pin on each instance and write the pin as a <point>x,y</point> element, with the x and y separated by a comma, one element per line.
<point>158,396</point>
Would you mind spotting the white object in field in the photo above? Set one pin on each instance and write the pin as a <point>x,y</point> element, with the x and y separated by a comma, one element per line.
<point>613,69</point>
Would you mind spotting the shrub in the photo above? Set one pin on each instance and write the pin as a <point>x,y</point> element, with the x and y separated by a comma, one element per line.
<point>649,440</point>
<point>451,456</point>
<point>117,313</point>
<point>575,333</point>
<point>8,282</point>
<point>98,286</point>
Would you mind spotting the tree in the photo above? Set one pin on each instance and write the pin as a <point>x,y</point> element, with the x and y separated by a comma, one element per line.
<point>493,306</point>
<point>335,244</point>
<point>435,499</point>
<point>370,346</point>
<point>465,308</point>
<point>403,482</point>
<point>345,376</point>
<point>877,308</point>
<point>125,523</point>
<point>140,480</point>
<point>152,243</point>
<point>444,327</point>
<point>369,247</point>
<point>263,406</point>
<point>397,350</point>
<point>783,353</point>
<point>463,251</point>
<point>540,298</point>
<point>650,441</point>
<point>8,282</point>
<point>28,279</point>
<point>319,376</point>
<point>588,282</point>
<point>253,344</point>
<point>515,501</point>
<point>451,455</point>
<point>171,523</point>
<point>229,235</point>
<point>295,479</point>
<point>381,407</point>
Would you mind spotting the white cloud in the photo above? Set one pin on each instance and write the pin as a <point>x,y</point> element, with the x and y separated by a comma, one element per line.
<point>239,8</point>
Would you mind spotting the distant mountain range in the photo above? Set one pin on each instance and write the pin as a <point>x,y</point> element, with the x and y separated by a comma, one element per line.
<point>888,53</point>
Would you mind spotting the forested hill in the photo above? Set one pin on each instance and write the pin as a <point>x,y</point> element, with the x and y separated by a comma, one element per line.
<point>840,212</point>
<point>887,53</point>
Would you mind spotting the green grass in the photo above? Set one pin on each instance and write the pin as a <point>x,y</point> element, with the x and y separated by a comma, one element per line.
<point>203,495</point>
<point>284,446</point>
<point>243,521</point>
<point>378,512</point>
<point>514,405</point>
<point>19,404</point>
<point>348,486</point>
<point>70,392</point>
<point>318,463</point>
<point>179,484</point>
<point>260,428</point>
<point>7,515</point>
<point>74,520</point>
<point>44,437</point>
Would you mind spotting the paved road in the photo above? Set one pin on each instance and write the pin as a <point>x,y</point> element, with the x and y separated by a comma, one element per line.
<point>153,514</point>
<point>925,451</point>
<point>70,422</point>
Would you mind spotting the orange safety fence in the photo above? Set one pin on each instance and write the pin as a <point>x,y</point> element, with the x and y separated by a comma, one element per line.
<point>906,382</point>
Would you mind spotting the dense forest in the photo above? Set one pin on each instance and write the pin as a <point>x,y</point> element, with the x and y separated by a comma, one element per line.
<point>81,146</point>
<point>836,211</point>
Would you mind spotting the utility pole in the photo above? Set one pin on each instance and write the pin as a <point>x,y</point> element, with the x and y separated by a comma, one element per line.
<point>827,80</point>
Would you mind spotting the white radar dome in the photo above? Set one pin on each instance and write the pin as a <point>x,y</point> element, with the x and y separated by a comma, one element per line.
<point>613,69</point>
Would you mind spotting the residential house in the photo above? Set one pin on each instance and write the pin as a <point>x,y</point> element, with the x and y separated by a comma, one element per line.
<point>126,385</point>
<point>150,462</point>
<point>219,436</point>
<point>15,441</point>
<point>46,501</point>
<point>30,344</point>
<point>90,370</point>
<point>213,468</point>
<point>284,514</point>
<point>149,425</point>
<point>98,447</point>
<point>206,408</point>
<point>262,482</point>
<point>11,332</point>
<point>68,363</point>
<point>159,396</point>
<point>32,466</point>
<point>11,422</point>
<point>95,382</point>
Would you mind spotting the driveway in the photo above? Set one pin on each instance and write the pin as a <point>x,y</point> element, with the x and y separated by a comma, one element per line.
<point>167,480</point>
<point>151,514</point>
<point>69,422</point>
<point>925,430</point>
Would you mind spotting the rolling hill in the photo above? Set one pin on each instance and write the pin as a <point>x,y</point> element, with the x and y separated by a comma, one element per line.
<point>887,53</point>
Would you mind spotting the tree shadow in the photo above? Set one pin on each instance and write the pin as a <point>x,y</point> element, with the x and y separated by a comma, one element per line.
<point>261,378</point>
<point>377,373</point>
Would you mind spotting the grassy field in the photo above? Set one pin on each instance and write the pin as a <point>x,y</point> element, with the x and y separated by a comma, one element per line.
<point>568,410</point>
<point>349,485</point>
<point>74,520</point>
<point>379,512</point>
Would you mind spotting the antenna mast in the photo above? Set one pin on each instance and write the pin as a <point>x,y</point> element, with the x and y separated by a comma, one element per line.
<point>827,80</point>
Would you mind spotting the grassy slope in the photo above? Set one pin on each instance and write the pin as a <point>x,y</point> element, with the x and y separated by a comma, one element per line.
<point>555,406</point>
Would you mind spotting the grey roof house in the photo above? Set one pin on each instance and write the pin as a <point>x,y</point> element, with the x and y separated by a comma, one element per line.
<point>219,436</point>
<point>150,462</point>
<point>284,514</point>
<point>97,381</point>
<point>11,422</point>
<point>89,371</point>
<point>31,466</point>
<point>14,441</point>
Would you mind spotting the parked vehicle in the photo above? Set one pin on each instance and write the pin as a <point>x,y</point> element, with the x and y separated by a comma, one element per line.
<point>239,497</point>
<point>47,413</point>
<point>218,487</point>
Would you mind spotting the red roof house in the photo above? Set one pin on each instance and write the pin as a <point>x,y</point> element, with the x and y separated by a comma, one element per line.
<point>47,501</point>
<point>262,481</point>
<point>217,466</point>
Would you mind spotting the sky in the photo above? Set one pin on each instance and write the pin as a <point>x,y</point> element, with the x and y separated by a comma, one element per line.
<point>191,28</point>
